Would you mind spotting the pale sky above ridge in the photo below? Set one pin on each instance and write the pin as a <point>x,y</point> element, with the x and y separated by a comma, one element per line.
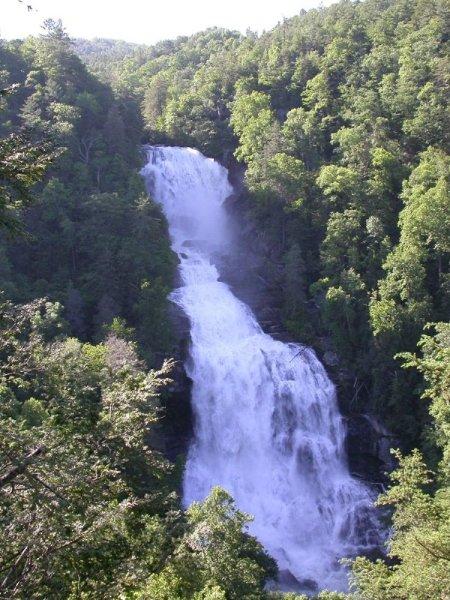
<point>147,21</point>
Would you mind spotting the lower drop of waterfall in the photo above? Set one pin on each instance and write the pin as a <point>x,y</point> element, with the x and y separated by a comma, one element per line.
<point>267,424</point>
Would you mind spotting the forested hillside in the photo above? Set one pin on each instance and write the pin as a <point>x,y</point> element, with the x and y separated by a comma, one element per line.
<point>339,119</point>
<point>340,116</point>
<point>94,241</point>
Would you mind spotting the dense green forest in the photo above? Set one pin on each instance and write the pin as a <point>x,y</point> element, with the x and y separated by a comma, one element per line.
<point>94,241</point>
<point>339,118</point>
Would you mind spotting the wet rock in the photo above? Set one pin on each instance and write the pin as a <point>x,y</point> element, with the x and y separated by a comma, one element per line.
<point>330,359</point>
<point>368,449</point>
<point>177,420</point>
<point>288,582</point>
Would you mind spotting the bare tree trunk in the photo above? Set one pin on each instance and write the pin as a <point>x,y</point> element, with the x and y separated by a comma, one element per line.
<point>20,468</point>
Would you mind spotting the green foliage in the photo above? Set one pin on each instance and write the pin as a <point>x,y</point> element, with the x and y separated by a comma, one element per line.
<point>22,164</point>
<point>295,310</point>
<point>87,507</point>
<point>302,137</point>
<point>426,197</point>
<point>81,491</point>
<point>339,184</point>
<point>420,540</point>
<point>421,519</point>
<point>280,177</point>
<point>404,303</point>
<point>215,559</point>
<point>96,243</point>
<point>434,365</point>
<point>252,120</point>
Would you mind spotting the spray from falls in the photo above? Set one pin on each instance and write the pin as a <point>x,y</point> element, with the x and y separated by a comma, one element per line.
<point>267,425</point>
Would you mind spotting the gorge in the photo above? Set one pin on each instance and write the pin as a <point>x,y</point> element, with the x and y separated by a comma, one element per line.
<point>226,378</point>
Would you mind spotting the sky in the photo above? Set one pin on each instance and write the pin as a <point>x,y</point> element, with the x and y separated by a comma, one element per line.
<point>145,21</point>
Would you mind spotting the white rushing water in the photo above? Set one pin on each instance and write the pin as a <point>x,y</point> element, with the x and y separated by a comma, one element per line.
<point>267,425</point>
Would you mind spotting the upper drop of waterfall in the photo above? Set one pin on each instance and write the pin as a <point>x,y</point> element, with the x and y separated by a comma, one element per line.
<point>268,428</point>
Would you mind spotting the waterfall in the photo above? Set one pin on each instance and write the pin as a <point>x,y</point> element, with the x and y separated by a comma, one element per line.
<point>267,424</point>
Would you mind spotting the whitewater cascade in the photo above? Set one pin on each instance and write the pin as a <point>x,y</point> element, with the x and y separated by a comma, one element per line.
<point>267,425</point>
